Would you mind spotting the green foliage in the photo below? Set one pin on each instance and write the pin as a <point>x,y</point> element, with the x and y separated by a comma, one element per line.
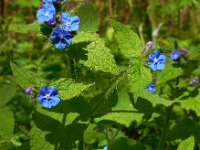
<point>127,144</point>
<point>139,76</point>
<point>101,78</point>
<point>68,88</point>
<point>6,96</point>
<point>24,28</point>
<point>7,122</point>
<point>168,74</point>
<point>191,104</point>
<point>123,108</point>
<point>26,78</point>
<point>187,144</point>
<point>89,22</point>
<point>129,42</point>
<point>99,57</point>
<point>48,124</point>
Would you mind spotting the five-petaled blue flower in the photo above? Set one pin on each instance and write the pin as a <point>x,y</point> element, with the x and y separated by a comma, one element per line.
<point>69,23</point>
<point>60,37</point>
<point>48,96</point>
<point>156,60</point>
<point>49,1</point>
<point>45,13</point>
<point>175,54</point>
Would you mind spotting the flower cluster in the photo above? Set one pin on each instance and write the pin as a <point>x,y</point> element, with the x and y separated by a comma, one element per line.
<point>46,96</point>
<point>156,62</point>
<point>63,25</point>
<point>194,81</point>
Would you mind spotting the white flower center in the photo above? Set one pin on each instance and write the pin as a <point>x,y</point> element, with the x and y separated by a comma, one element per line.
<point>68,24</point>
<point>47,96</point>
<point>61,36</point>
<point>46,14</point>
<point>155,60</point>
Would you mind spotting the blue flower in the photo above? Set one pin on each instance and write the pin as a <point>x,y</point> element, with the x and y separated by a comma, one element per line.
<point>151,88</point>
<point>69,23</point>
<point>49,1</point>
<point>60,37</point>
<point>105,148</point>
<point>156,60</point>
<point>45,13</point>
<point>175,54</point>
<point>48,96</point>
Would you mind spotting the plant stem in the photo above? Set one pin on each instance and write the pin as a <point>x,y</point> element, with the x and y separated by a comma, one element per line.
<point>165,130</point>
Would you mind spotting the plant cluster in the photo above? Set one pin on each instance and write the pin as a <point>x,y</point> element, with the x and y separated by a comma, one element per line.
<point>71,88</point>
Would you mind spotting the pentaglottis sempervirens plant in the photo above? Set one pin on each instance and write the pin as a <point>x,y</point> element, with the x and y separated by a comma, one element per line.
<point>89,92</point>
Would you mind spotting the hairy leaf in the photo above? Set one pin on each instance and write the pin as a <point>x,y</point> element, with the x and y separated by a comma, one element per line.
<point>139,76</point>
<point>168,74</point>
<point>123,113</point>
<point>88,18</point>
<point>99,56</point>
<point>68,88</point>
<point>129,42</point>
<point>55,128</point>
<point>191,104</point>
<point>26,78</point>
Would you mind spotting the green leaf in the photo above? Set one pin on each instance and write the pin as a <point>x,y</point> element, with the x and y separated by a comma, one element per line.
<point>168,74</point>
<point>187,144</point>
<point>88,18</point>
<point>68,88</point>
<point>91,136</point>
<point>25,28</point>
<point>139,76</point>
<point>55,128</point>
<point>26,78</point>
<point>155,99</point>
<point>191,104</point>
<point>7,122</point>
<point>123,113</point>
<point>129,42</point>
<point>6,96</point>
<point>99,56</point>
<point>127,144</point>
<point>85,37</point>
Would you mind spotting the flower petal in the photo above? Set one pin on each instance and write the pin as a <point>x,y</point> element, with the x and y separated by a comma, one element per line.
<point>160,66</point>
<point>52,91</point>
<point>60,45</point>
<point>46,103</point>
<point>43,90</point>
<point>54,100</point>
<point>162,58</point>
<point>41,98</point>
<point>65,16</point>
<point>153,66</point>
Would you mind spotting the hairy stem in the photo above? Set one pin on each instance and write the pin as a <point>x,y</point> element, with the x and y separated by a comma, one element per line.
<point>165,130</point>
